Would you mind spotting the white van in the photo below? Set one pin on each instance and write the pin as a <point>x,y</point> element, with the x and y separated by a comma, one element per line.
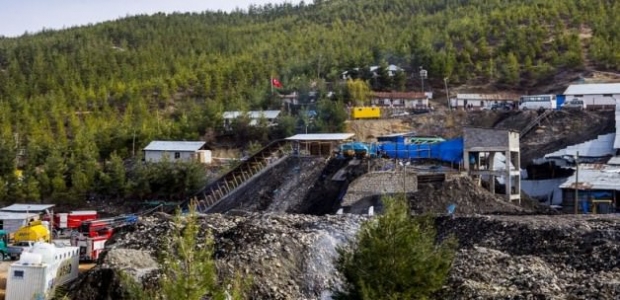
<point>575,103</point>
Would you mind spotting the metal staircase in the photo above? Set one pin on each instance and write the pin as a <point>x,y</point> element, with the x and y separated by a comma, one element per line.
<point>223,186</point>
<point>536,122</point>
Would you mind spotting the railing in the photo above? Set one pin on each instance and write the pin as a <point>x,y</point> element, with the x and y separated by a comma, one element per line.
<point>535,122</point>
<point>227,183</point>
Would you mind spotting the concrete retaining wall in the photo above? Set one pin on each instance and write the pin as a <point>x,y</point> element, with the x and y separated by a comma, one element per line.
<point>380,183</point>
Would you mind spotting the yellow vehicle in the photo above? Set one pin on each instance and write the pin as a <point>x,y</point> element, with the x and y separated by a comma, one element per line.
<point>365,112</point>
<point>35,231</point>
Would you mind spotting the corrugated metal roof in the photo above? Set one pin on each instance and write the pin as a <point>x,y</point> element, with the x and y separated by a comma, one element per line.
<point>399,95</point>
<point>255,114</point>
<point>489,97</point>
<point>26,207</point>
<point>174,146</point>
<point>595,177</point>
<point>5,215</point>
<point>602,146</point>
<point>321,137</point>
<point>593,89</point>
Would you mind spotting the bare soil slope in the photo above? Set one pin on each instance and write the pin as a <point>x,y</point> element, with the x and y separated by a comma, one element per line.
<point>561,129</point>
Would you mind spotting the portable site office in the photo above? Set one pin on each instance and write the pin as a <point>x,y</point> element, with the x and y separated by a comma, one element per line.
<point>40,270</point>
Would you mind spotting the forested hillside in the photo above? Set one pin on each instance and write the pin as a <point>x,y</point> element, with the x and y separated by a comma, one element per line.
<point>72,99</point>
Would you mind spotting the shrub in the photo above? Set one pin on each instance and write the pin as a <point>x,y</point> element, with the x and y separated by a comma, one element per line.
<point>395,256</point>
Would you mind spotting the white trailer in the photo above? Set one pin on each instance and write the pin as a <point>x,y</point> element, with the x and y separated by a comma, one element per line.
<point>40,270</point>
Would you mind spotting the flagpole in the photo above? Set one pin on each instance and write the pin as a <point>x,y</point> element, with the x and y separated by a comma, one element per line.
<point>271,84</point>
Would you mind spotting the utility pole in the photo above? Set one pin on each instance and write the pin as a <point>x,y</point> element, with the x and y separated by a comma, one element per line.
<point>577,183</point>
<point>133,143</point>
<point>423,75</point>
<point>445,82</point>
<point>404,178</point>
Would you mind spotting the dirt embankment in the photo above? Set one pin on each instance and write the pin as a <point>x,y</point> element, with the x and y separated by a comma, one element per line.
<point>561,129</point>
<point>281,188</point>
<point>469,199</point>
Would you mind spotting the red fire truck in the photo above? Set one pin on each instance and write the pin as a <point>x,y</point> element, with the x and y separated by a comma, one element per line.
<point>65,223</point>
<point>92,235</point>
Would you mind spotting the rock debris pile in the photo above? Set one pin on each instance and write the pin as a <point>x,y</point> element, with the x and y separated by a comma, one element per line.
<point>469,198</point>
<point>287,256</point>
<point>534,257</point>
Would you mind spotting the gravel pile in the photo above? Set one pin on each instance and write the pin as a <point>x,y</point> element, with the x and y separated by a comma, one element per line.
<point>291,256</point>
<point>469,198</point>
<point>287,256</point>
<point>534,257</point>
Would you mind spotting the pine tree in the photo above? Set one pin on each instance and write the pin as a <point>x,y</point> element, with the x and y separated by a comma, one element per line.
<point>395,256</point>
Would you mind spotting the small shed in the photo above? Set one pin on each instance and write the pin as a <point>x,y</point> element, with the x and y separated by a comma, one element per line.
<point>318,144</point>
<point>12,221</point>
<point>156,151</point>
<point>597,185</point>
<point>14,216</point>
<point>26,208</point>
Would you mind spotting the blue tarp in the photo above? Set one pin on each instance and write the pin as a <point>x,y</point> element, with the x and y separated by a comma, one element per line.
<point>448,151</point>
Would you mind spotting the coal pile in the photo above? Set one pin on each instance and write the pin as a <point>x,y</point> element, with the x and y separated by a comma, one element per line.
<point>467,195</point>
<point>287,256</point>
<point>533,257</point>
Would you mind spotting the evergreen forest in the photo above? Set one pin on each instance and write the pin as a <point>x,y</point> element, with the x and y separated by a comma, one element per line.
<point>78,105</point>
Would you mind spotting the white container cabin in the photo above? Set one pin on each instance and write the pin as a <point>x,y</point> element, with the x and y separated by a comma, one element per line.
<point>40,270</point>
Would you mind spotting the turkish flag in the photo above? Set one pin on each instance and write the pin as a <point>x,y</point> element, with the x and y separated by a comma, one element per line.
<point>276,83</point>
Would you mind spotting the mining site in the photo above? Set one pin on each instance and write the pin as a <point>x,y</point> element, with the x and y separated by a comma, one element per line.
<point>281,224</point>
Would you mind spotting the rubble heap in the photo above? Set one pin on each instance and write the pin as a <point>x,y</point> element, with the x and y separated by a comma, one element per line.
<point>287,256</point>
<point>291,256</point>
<point>533,257</point>
<point>469,198</point>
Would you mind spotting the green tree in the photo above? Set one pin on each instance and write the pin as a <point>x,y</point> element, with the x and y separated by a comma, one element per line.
<point>359,91</point>
<point>399,83</point>
<point>395,256</point>
<point>331,116</point>
<point>510,70</point>
<point>187,267</point>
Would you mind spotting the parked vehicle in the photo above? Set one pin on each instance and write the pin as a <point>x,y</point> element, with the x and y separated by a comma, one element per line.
<point>34,231</point>
<point>15,251</point>
<point>575,103</point>
<point>92,235</point>
<point>11,252</point>
<point>65,223</point>
<point>399,114</point>
<point>535,102</point>
<point>501,106</point>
